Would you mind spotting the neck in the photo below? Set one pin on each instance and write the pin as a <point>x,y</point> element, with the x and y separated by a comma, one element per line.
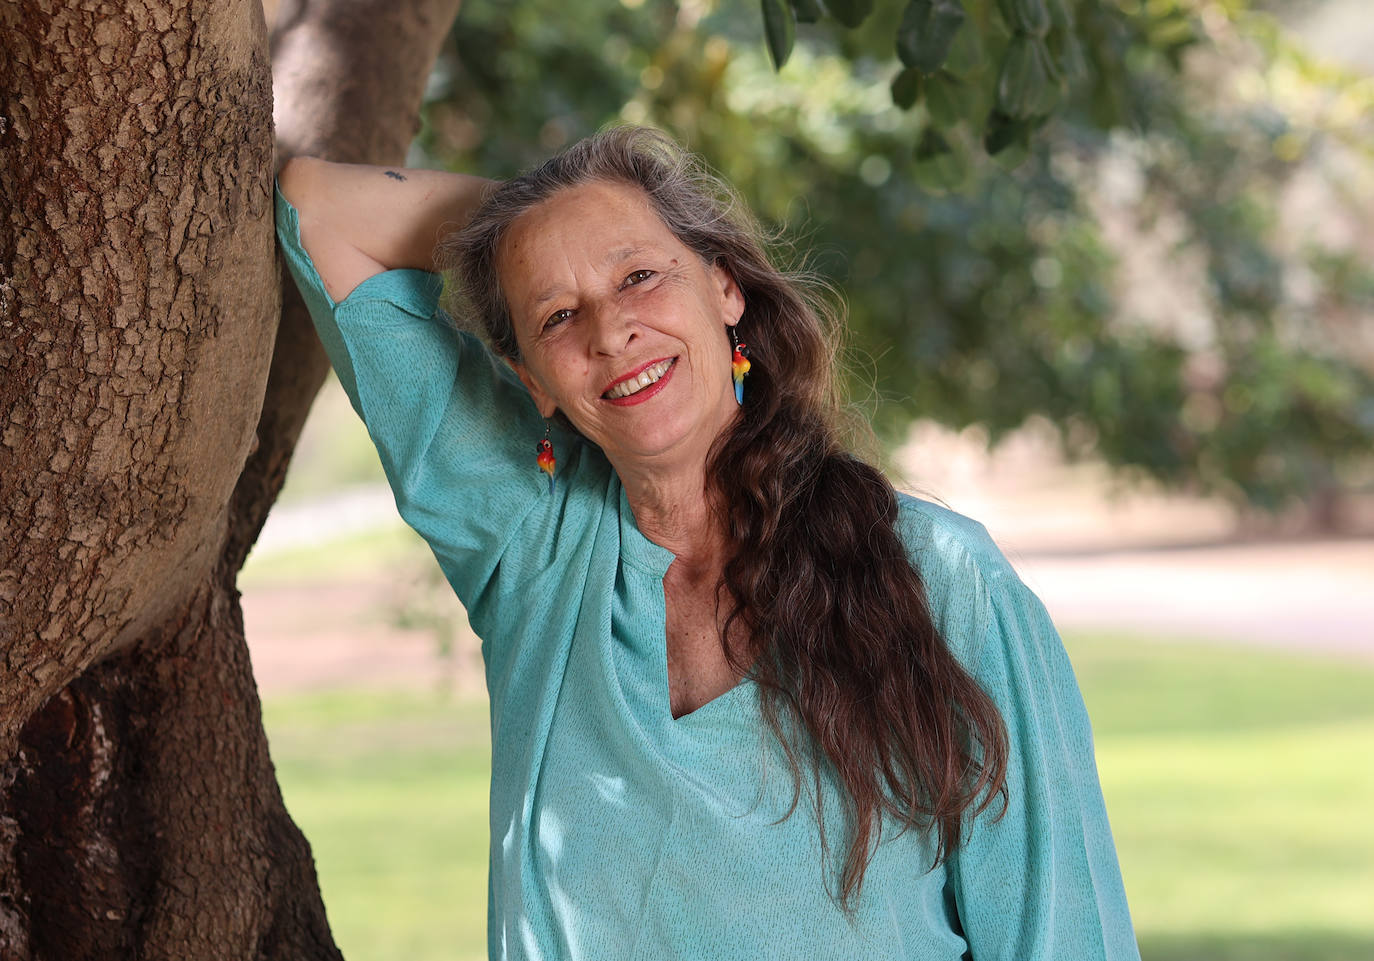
<point>674,512</point>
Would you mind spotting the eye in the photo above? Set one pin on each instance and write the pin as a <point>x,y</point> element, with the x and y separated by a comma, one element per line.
<point>556,318</point>
<point>638,277</point>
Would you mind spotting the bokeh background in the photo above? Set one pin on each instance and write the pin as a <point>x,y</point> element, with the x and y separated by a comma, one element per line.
<point>1110,284</point>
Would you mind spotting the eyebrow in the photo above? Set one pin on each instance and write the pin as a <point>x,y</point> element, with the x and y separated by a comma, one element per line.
<point>618,255</point>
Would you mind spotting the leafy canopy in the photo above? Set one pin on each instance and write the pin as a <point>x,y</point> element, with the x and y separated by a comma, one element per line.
<point>1137,220</point>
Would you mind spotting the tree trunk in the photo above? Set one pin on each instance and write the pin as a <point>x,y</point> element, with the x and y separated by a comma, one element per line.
<point>143,360</point>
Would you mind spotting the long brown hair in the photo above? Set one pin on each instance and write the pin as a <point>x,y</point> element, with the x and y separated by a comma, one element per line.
<point>854,675</point>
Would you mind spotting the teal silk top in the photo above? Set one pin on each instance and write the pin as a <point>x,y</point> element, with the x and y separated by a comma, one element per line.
<point>618,832</point>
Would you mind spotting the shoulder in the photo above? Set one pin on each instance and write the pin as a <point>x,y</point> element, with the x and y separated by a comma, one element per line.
<point>938,537</point>
<point>961,567</point>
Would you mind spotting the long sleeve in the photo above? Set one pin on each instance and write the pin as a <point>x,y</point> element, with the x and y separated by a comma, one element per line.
<point>1042,882</point>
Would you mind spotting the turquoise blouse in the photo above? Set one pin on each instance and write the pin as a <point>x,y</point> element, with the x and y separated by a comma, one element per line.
<point>618,832</point>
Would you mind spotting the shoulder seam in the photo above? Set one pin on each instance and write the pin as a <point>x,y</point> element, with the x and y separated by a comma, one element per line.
<point>986,576</point>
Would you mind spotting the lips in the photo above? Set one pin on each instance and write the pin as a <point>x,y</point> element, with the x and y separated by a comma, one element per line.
<point>641,380</point>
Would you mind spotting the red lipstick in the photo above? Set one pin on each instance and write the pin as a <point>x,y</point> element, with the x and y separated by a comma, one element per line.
<point>644,393</point>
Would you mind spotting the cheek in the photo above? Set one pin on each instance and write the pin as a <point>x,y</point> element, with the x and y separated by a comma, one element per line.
<point>680,302</point>
<point>657,300</point>
<point>563,373</point>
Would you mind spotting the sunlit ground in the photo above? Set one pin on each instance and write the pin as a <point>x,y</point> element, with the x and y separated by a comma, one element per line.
<point>1238,781</point>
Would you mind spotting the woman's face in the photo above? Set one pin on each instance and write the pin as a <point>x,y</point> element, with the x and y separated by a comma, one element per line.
<point>620,326</point>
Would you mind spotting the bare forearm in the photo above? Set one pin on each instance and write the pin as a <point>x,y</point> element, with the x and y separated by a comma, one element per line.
<point>358,220</point>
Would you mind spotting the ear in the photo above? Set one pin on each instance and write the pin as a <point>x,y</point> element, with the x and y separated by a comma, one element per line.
<point>731,297</point>
<point>545,403</point>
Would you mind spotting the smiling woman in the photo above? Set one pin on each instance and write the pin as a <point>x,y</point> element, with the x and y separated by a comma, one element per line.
<point>719,643</point>
<point>613,311</point>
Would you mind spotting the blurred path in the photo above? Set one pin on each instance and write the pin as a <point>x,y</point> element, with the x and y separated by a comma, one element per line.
<point>1140,564</point>
<point>1144,563</point>
<point>319,636</point>
<point>1312,596</point>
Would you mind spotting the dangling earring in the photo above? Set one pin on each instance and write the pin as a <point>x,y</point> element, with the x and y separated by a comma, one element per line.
<point>544,456</point>
<point>739,365</point>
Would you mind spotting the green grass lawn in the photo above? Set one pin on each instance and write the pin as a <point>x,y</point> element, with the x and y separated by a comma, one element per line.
<point>1239,783</point>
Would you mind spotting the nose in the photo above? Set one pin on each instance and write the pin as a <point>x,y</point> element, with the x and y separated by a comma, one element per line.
<point>613,328</point>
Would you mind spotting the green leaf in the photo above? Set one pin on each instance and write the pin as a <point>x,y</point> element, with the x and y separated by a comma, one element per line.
<point>1068,55</point>
<point>966,54</point>
<point>1032,17</point>
<point>1061,16</point>
<point>780,27</point>
<point>947,100</point>
<point>851,13</point>
<point>1028,84</point>
<point>1014,155</point>
<point>1018,66</point>
<point>906,88</point>
<point>938,168</point>
<point>808,11</point>
<point>932,144</point>
<point>1008,139</point>
<point>926,32</point>
<point>1047,94</point>
<point>1025,16</point>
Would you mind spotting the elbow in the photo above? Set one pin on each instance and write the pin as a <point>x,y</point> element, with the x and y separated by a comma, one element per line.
<point>297,178</point>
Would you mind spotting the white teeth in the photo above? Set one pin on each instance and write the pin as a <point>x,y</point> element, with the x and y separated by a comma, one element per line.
<point>646,377</point>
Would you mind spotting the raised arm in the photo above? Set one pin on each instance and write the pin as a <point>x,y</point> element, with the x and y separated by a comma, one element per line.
<point>453,426</point>
<point>357,220</point>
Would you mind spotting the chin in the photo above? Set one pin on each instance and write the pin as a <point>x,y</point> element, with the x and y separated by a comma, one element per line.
<point>692,446</point>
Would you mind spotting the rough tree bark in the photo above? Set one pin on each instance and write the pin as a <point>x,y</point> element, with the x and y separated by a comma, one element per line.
<point>152,388</point>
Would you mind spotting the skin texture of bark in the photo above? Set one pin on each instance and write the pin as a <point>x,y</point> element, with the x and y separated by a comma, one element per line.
<point>149,403</point>
<point>139,234</point>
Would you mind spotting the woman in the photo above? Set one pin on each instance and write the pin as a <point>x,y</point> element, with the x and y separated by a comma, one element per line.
<point>746,701</point>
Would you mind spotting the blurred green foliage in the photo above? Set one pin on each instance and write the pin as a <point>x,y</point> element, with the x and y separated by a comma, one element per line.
<point>1130,217</point>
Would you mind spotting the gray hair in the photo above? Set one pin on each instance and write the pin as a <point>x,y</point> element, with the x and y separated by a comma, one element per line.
<point>698,207</point>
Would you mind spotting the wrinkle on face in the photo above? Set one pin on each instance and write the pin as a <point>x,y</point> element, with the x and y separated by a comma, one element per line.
<point>583,321</point>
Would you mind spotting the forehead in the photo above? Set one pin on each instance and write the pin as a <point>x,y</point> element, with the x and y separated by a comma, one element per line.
<point>587,224</point>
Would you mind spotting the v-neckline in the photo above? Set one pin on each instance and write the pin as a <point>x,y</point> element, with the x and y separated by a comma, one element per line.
<point>654,560</point>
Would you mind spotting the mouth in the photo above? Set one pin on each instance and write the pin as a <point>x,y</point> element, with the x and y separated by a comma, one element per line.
<point>641,384</point>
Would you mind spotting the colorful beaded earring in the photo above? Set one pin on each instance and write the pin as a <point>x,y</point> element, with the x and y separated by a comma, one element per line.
<point>739,365</point>
<point>544,456</point>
